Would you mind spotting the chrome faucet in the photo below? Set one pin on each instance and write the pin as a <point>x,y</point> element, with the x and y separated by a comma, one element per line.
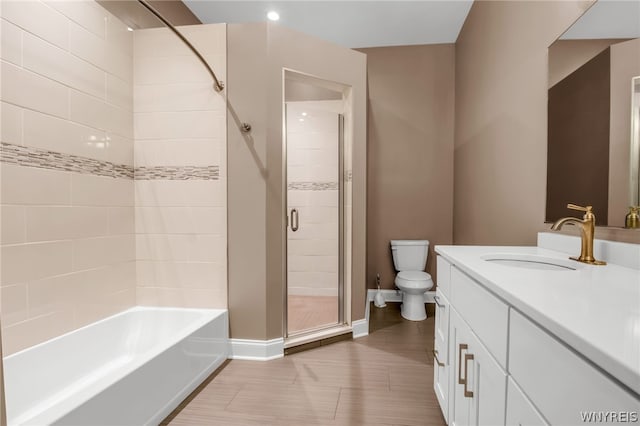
<point>587,228</point>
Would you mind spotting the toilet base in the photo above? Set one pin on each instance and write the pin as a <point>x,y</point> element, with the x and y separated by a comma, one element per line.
<point>413,308</point>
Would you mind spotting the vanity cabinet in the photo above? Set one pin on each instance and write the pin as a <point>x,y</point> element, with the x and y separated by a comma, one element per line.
<point>494,366</point>
<point>441,359</point>
<point>479,387</point>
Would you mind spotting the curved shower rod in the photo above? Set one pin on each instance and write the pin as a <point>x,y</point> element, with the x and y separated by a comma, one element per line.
<point>218,85</point>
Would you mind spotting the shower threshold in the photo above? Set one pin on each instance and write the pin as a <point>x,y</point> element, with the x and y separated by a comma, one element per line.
<point>315,335</point>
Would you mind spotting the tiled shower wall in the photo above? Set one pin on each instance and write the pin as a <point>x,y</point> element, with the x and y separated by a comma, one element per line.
<point>67,192</point>
<point>180,159</point>
<point>312,189</point>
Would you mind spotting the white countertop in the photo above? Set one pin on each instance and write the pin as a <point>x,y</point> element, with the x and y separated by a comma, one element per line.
<point>595,309</point>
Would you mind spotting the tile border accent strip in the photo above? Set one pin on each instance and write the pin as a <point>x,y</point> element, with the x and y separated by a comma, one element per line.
<point>312,186</point>
<point>43,159</point>
<point>177,173</point>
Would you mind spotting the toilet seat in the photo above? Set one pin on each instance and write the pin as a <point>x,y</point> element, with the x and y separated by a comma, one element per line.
<point>414,280</point>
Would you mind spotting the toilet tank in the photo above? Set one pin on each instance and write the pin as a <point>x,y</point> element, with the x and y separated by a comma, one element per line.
<point>410,255</point>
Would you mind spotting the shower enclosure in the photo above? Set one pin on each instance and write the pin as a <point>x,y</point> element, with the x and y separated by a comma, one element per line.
<point>315,149</point>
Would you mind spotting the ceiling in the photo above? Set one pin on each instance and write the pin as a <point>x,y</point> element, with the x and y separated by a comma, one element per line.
<point>363,23</point>
<point>607,19</point>
<point>349,23</point>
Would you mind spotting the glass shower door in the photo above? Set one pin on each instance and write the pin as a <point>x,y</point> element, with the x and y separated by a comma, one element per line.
<point>314,208</point>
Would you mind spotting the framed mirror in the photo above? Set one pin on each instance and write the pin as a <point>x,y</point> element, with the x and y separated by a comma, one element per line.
<point>593,152</point>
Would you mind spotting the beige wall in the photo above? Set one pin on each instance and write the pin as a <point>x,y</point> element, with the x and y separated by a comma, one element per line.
<point>501,118</point>
<point>257,54</point>
<point>180,159</point>
<point>566,56</point>
<point>410,151</point>
<point>625,64</point>
<point>68,248</point>
<point>136,16</point>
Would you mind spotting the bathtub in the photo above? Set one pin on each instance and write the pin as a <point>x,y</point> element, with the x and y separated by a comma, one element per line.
<point>132,368</point>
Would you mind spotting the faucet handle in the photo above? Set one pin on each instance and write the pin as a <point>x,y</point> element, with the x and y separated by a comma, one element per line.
<point>579,208</point>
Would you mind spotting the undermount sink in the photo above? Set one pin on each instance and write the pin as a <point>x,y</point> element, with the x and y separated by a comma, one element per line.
<point>532,261</point>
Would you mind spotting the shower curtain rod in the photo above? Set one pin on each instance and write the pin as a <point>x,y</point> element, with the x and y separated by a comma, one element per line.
<point>217,85</point>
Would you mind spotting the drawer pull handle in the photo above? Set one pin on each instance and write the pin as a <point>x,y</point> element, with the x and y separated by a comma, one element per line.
<point>461,347</point>
<point>437,300</point>
<point>435,356</point>
<point>467,393</point>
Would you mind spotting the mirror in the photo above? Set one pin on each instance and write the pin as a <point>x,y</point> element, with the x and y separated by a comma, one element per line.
<point>593,152</point>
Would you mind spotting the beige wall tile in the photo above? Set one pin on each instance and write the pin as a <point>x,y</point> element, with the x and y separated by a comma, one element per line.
<point>194,247</point>
<point>55,134</point>
<point>168,70</point>
<point>14,304</point>
<point>121,220</point>
<point>30,90</point>
<point>39,19</point>
<point>196,193</point>
<point>33,331</point>
<point>95,252</point>
<point>185,96</point>
<point>22,263</point>
<point>169,274</point>
<point>10,123</point>
<point>28,185</point>
<point>86,13</point>
<point>120,149</point>
<point>181,220</point>
<point>11,42</point>
<point>174,125</point>
<point>119,92</point>
<point>88,46</point>
<point>179,297</point>
<point>97,113</point>
<point>57,64</point>
<point>52,295</point>
<point>180,152</point>
<point>61,223</point>
<point>89,190</point>
<point>13,225</point>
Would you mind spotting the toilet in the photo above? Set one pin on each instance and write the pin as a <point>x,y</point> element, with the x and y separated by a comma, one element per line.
<point>410,260</point>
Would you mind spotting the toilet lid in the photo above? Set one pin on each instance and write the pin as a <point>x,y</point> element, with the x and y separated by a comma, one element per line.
<point>414,275</point>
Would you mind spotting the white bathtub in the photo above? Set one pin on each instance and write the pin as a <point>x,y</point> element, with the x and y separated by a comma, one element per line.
<point>132,368</point>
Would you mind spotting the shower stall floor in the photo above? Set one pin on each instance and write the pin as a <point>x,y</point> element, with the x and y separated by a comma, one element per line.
<point>307,312</point>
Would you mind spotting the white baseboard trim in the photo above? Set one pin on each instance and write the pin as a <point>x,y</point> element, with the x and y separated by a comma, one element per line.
<point>396,295</point>
<point>256,350</point>
<point>361,327</point>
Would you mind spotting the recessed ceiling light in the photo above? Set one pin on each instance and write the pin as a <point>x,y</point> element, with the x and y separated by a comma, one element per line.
<point>129,29</point>
<point>304,114</point>
<point>273,15</point>
<point>300,119</point>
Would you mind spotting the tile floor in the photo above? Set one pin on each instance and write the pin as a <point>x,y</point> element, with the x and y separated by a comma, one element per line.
<point>383,379</point>
<point>307,312</point>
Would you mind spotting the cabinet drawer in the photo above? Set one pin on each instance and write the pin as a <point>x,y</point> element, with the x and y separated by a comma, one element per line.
<point>444,276</point>
<point>487,315</point>
<point>441,343</point>
<point>520,411</point>
<point>559,382</point>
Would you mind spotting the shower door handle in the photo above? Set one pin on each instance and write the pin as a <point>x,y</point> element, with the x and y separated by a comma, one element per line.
<point>294,220</point>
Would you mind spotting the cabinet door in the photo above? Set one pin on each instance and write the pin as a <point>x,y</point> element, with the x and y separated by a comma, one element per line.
<point>459,404</point>
<point>480,384</point>
<point>520,411</point>
<point>441,360</point>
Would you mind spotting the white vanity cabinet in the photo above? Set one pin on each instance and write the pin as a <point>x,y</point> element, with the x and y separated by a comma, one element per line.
<point>496,366</point>
<point>479,386</point>
<point>441,359</point>
<point>475,381</point>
